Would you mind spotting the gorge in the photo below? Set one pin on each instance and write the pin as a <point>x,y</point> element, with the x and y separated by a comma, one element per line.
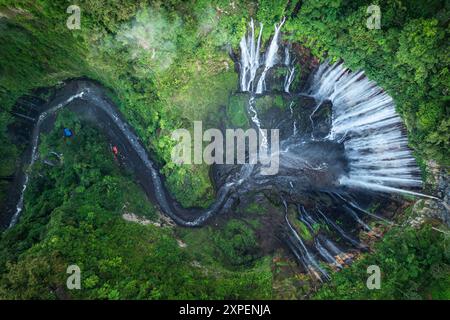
<point>341,140</point>
<point>314,149</point>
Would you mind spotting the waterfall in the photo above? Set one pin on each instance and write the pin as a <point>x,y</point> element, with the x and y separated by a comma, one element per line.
<point>300,249</point>
<point>355,216</point>
<point>358,208</point>
<point>289,78</point>
<point>364,118</point>
<point>287,56</point>
<point>290,69</point>
<point>326,255</point>
<point>340,231</point>
<point>271,57</point>
<point>257,122</point>
<point>250,58</point>
<point>294,123</point>
<point>249,63</point>
<point>332,247</point>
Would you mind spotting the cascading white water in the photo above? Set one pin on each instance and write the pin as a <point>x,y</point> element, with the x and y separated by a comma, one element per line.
<point>271,57</point>
<point>364,120</point>
<point>290,73</point>
<point>257,122</point>
<point>311,264</point>
<point>294,123</point>
<point>289,78</point>
<point>287,56</point>
<point>249,63</point>
<point>364,117</point>
<point>250,58</point>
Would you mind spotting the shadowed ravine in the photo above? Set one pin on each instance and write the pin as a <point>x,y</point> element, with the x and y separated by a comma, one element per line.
<point>342,146</point>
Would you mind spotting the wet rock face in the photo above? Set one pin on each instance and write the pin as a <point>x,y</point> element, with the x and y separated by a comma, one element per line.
<point>442,179</point>
<point>295,115</point>
<point>274,77</point>
<point>307,162</point>
<point>436,209</point>
<point>444,191</point>
<point>321,120</point>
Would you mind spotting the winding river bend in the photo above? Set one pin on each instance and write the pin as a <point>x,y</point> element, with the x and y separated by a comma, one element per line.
<point>341,143</point>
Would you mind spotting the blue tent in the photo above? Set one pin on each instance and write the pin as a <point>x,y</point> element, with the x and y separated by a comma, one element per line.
<point>67,132</point>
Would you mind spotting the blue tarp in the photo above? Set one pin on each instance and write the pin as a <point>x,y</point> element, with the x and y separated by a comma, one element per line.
<point>67,132</point>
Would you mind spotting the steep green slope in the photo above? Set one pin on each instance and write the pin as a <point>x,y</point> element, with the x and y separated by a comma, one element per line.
<point>165,64</point>
<point>74,215</point>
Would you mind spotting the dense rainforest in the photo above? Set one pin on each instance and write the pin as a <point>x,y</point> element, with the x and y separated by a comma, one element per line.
<point>166,64</point>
